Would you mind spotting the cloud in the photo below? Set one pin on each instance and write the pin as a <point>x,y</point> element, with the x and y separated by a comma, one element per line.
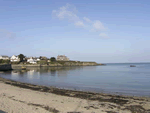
<point>69,12</point>
<point>80,24</point>
<point>103,35</point>
<point>6,34</point>
<point>87,19</point>
<point>66,12</point>
<point>98,26</point>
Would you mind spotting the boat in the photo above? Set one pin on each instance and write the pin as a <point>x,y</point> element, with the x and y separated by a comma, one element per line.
<point>132,66</point>
<point>23,68</point>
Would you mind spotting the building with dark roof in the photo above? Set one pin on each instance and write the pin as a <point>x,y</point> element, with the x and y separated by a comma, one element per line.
<point>3,57</point>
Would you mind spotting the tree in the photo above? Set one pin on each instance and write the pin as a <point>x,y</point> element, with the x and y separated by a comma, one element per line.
<point>40,57</point>
<point>21,56</point>
<point>43,58</point>
<point>1,60</point>
<point>53,59</point>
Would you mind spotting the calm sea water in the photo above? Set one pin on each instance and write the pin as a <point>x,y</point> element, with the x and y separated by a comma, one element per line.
<point>112,78</point>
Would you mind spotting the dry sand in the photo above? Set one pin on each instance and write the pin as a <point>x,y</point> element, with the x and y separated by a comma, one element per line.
<point>16,97</point>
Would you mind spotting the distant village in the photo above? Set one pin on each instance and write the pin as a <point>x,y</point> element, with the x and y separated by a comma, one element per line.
<point>31,60</point>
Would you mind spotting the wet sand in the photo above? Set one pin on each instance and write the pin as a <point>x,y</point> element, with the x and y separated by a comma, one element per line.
<point>17,97</point>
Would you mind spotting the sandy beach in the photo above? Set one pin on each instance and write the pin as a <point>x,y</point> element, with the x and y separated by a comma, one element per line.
<point>16,97</point>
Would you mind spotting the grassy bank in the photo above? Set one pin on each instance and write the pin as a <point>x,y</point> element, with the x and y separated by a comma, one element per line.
<point>60,63</point>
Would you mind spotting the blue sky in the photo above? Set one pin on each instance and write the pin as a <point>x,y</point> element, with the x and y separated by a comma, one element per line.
<point>105,31</point>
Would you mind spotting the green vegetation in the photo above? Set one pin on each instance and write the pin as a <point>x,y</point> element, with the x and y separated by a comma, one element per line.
<point>53,59</point>
<point>42,62</point>
<point>15,62</point>
<point>52,62</point>
<point>61,62</point>
<point>43,58</point>
<point>4,61</point>
<point>21,56</point>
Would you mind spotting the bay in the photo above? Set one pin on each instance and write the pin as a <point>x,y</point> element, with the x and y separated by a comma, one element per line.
<point>117,78</point>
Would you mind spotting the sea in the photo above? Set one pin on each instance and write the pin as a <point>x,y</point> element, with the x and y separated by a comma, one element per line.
<point>113,78</point>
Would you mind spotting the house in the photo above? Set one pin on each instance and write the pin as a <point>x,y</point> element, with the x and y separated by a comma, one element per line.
<point>15,58</point>
<point>4,57</point>
<point>33,60</point>
<point>37,58</point>
<point>48,60</point>
<point>62,58</point>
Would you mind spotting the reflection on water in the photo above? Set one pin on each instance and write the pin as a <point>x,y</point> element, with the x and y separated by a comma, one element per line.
<point>50,76</point>
<point>111,78</point>
<point>52,71</point>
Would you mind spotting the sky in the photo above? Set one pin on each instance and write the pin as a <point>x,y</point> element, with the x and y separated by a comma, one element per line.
<point>105,31</point>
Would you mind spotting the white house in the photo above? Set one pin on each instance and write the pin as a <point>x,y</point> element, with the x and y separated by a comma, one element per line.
<point>14,59</point>
<point>4,57</point>
<point>32,60</point>
<point>37,59</point>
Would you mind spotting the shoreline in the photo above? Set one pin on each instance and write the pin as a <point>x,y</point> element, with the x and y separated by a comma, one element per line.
<point>7,67</point>
<point>118,102</point>
<point>71,89</point>
<point>60,91</point>
<point>37,65</point>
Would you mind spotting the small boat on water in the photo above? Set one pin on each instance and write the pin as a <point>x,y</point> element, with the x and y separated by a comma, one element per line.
<point>132,66</point>
<point>23,68</point>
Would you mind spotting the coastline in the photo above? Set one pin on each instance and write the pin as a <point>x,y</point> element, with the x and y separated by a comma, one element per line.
<point>106,103</point>
<point>54,65</point>
<point>7,67</point>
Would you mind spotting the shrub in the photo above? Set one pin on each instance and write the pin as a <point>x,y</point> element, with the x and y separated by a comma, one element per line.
<point>43,61</point>
<point>15,62</point>
<point>4,61</point>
